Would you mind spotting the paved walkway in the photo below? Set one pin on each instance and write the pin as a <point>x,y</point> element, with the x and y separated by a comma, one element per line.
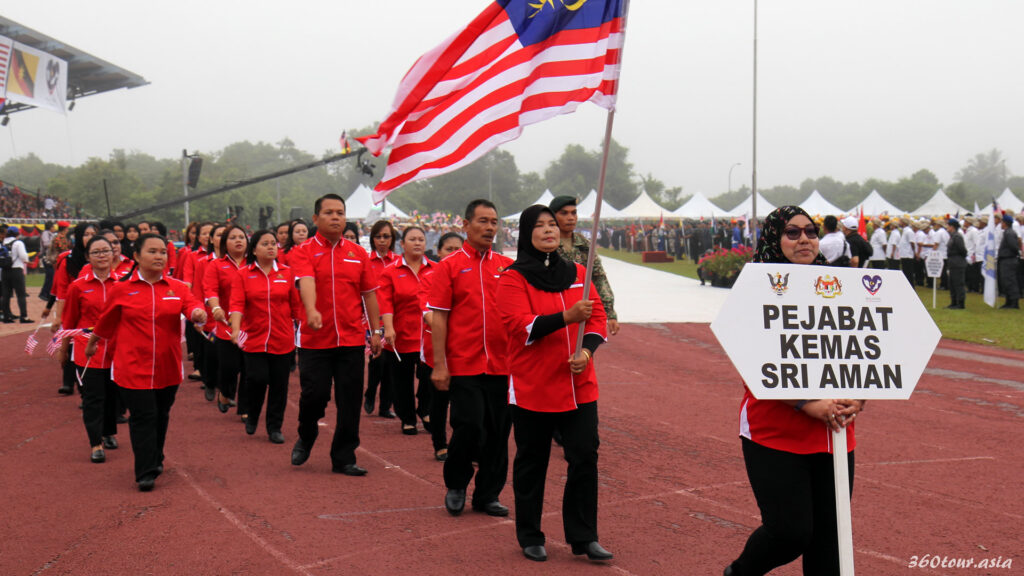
<point>646,295</point>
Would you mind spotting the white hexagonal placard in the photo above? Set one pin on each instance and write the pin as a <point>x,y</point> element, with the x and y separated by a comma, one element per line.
<point>806,332</point>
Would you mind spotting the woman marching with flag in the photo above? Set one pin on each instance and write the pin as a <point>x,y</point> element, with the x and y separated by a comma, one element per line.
<point>143,316</point>
<point>264,300</point>
<point>85,300</point>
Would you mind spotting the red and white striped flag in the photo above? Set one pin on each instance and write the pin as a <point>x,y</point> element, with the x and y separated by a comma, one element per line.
<point>31,343</point>
<point>242,337</point>
<point>517,63</point>
<point>59,337</point>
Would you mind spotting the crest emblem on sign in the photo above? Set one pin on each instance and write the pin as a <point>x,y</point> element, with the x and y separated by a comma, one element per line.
<point>779,283</point>
<point>872,283</point>
<point>828,287</point>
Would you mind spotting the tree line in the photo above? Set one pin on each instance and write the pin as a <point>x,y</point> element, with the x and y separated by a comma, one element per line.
<point>136,180</point>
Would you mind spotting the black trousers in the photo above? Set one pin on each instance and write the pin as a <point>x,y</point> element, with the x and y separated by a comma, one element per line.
<point>210,367</point>
<point>267,375</point>
<point>533,432</point>
<point>957,285</point>
<point>99,404</point>
<point>229,368</point>
<point>402,380</point>
<point>14,284</point>
<point>150,412</point>
<point>424,390</point>
<point>480,429</point>
<point>796,496</point>
<point>438,409</point>
<point>1006,273</point>
<point>974,277</point>
<point>194,346</point>
<point>877,264</point>
<point>909,270</point>
<point>320,371</point>
<point>892,263</point>
<point>376,377</point>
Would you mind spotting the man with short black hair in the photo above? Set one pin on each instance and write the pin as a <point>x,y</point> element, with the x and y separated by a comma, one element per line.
<point>470,360</point>
<point>833,245</point>
<point>335,282</point>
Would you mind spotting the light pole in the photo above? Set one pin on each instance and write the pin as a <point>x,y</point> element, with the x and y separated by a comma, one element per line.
<point>730,174</point>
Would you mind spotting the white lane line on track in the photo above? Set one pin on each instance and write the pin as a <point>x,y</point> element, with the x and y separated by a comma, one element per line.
<point>263,544</point>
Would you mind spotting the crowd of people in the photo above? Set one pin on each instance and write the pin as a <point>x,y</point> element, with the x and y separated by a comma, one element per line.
<point>449,333</point>
<point>17,204</point>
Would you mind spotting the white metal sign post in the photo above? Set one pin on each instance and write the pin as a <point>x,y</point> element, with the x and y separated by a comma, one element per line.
<point>933,266</point>
<point>799,332</point>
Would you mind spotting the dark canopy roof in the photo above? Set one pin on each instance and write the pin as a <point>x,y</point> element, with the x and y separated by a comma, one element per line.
<point>87,74</point>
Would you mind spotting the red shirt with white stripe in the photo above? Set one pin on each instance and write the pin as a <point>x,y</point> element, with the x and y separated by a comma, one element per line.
<point>402,294</point>
<point>86,299</point>
<point>539,375</point>
<point>145,321</point>
<point>267,303</point>
<point>779,426</point>
<point>343,275</point>
<point>465,285</point>
<point>219,274</point>
<point>61,282</point>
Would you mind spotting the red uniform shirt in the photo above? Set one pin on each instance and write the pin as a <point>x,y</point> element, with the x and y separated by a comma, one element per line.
<point>194,268</point>
<point>402,294</point>
<point>217,281</point>
<point>61,282</point>
<point>183,256</point>
<point>465,285</point>
<point>145,321</point>
<point>777,425</point>
<point>539,375</point>
<point>267,305</point>
<point>86,299</point>
<point>343,275</point>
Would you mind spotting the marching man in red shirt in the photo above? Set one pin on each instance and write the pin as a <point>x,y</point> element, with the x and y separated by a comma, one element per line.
<point>470,358</point>
<point>335,280</point>
<point>143,315</point>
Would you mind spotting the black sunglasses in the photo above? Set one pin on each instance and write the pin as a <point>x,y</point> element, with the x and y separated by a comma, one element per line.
<point>793,232</point>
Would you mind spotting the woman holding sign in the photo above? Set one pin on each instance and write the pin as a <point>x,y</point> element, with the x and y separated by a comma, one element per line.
<point>787,443</point>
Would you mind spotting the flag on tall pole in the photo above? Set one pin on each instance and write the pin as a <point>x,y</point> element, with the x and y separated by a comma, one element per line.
<point>517,63</point>
<point>862,224</point>
<point>988,268</point>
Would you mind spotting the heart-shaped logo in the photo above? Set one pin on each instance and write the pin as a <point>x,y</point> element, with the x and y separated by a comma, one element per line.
<point>872,283</point>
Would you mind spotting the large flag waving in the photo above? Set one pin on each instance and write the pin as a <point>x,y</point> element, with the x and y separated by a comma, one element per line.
<point>988,269</point>
<point>518,63</point>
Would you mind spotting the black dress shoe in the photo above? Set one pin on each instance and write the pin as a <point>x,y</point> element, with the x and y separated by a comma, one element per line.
<point>159,469</point>
<point>593,550</point>
<point>350,470</point>
<point>25,320</point>
<point>441,455</point>
<point>98,456</point>
<point>195,375</point>
<point>409,430</point>
<point>536,553</point>
<point>455,501</point>
<point>369,405</point>
<point>65,391</point>
<point>250,427</point>
<point>146,483</point>
<point>388,414</point>
<point>300,453</point>
<point>209,393</point>
<point>492,508</point>
<point>110,443</point>
<point>222,407</point>
<point>276,437</point>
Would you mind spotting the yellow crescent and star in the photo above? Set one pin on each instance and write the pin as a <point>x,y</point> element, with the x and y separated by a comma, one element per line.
<point>539,6</point>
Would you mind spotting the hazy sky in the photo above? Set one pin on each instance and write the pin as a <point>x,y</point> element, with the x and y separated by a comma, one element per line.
<point>854,89</point>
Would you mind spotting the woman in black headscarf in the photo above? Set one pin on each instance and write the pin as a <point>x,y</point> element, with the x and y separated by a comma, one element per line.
<point>550,387</point>
<point>787,443</point>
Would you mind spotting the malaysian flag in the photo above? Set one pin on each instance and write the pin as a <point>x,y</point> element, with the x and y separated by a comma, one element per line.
<point>518,63</point>
<point>61,335</point>
<point>31,343</point>
<point>242,337</point>
<point>6,47</point>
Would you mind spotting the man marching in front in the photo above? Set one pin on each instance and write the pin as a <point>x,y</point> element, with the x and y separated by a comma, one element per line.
<point>470,360</point>
<point>335,280</point>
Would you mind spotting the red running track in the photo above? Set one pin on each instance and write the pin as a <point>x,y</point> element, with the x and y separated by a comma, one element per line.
<point>937,475</point>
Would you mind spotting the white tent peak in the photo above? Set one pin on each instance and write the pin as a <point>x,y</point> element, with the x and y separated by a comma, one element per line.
<point>939,204</point>
<point>1007,201</point>
<point>585,208</point>
<point>746,207</point>
<point>643,207</point>
<point>817,205</point>
<point>359,205</point>
<point>875,205</point>
<point>698,206</point>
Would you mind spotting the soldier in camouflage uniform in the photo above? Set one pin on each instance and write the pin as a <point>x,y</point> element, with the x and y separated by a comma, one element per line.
<point>575,248</point>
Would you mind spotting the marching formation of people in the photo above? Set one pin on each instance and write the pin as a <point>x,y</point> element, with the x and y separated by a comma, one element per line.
<point>469,337</point>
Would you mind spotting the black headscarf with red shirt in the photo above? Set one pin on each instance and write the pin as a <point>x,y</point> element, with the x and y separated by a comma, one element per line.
<point>546,271</point>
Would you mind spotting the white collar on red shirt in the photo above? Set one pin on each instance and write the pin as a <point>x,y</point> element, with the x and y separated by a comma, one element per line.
<point>426,263</point>
<point>137,277</point>
<point>256,266</point>
<point>472,252</point>
<point>390,256</point>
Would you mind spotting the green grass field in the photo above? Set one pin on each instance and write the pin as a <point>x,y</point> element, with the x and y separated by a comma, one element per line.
<point>978,323</point>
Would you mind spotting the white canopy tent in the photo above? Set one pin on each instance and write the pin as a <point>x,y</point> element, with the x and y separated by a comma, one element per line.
<point>359,206</point>
<point>585,209</point>
<point>938,205</point>
<point>1007,201</point>
<point>698,206</point>
<point>875,205</point>
<point>643,207</point>
<point>544,199</point>
<point>817,205</point>
<point>745,207</point>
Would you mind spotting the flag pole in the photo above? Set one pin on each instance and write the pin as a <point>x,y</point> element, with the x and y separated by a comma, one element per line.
<point>592,253</point>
